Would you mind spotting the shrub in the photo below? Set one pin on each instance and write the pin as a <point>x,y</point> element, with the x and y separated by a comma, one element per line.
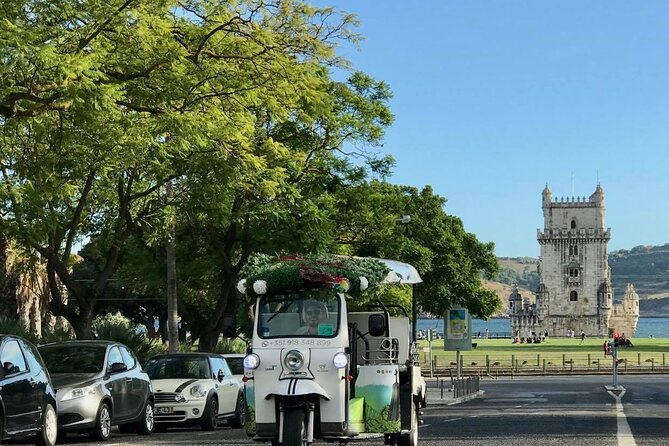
<point>234,345</point>
<point>15,327</point>
<point>57,334</point>
<point>120,329</point>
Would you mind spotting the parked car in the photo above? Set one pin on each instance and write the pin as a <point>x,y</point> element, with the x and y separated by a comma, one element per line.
<point>99,384</point>
<point>196,388</point>
<point>27,397</point>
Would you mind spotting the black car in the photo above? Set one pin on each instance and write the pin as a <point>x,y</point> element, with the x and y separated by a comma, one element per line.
<point>27,398</point>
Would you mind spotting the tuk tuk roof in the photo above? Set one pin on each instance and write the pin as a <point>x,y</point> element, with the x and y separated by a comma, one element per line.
<point>400,272</point>
<point>346,274</point>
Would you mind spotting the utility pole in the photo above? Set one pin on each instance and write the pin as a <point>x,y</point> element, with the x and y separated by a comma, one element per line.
<point>170,256</point>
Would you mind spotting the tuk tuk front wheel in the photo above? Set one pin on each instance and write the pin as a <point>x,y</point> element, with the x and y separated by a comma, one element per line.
<point>294,428</point>
<point>410,439</point>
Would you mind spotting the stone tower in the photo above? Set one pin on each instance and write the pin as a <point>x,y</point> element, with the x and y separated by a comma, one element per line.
<point>575,276</point>
<point>575,290</point>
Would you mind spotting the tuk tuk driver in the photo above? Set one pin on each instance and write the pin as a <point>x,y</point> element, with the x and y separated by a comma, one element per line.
<point>313,313</point>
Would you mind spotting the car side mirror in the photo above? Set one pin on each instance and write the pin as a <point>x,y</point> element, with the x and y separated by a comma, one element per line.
<point>9,368</point>
<point>117,367</point>
<point>220,375</point>
<point>376,324</point>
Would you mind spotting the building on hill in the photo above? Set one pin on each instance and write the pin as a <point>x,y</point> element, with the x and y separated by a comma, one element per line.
<point>574,292</point>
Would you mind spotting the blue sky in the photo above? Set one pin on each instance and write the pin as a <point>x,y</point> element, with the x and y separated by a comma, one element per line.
<point>495,99</point>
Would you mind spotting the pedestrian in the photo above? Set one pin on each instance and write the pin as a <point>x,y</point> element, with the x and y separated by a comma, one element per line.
<point>486,333</point>
<point>582,336</point>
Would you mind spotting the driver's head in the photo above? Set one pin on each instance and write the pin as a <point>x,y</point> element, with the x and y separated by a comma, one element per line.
<point>314,312</point>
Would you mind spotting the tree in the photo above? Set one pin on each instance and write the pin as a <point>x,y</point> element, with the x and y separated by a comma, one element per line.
<point>451,261</point>
<point>103,103</point>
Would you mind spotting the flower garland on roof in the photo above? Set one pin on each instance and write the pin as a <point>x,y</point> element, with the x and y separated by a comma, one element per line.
<point>265,275</point>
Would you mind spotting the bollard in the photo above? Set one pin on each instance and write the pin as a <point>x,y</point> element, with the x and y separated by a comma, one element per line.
<point>544,366</point>
<point>563,359</point>
<point>663,363</point>
<point>442,389</point>
<point>652,364</point>
<point>538,356</point>
<point>513,361</point>
<point>597,365</point>
<point>589,362</point>
<point>638,358</point>
<point>487,363</point>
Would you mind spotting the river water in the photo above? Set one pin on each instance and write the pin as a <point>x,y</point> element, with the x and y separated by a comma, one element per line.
<point>647,326</point>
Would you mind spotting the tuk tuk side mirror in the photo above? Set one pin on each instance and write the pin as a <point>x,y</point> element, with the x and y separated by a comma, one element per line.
<point>220,375</point>
<point>377,325</point>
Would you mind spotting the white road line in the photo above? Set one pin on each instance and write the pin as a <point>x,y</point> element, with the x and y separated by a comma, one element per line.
<point>625,437</point>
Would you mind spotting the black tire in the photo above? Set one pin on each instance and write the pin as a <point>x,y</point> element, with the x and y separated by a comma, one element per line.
<point>294,427</point>
<point>410,439</point>
<point>103,423</point>
<point>146,422</point>
<point>239,419</point>
<point>48,434</point>
<point>210,415</point>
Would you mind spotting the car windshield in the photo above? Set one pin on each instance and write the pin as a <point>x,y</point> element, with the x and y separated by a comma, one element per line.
<point>176,368</point>
<point>73,358</point>
<point>236,365</point>
<point>298,315</point>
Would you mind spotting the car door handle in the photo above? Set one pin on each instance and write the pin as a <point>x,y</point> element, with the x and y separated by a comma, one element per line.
<point>128,380</point>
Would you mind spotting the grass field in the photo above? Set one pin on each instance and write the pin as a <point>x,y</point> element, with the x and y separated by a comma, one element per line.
<point>555,353</point>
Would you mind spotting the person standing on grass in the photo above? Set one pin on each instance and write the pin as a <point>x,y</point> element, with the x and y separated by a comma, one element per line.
<point>582,336</point>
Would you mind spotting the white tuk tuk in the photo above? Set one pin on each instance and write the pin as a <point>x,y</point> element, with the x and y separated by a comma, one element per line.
<point>317,371</point>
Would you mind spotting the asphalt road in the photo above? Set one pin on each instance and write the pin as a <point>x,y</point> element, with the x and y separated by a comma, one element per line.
<point>537,411</point>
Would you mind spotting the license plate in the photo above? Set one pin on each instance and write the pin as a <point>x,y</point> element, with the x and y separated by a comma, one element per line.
<point>164,410</point>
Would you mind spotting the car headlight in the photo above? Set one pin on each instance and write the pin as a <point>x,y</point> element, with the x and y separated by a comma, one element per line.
<point>78,392</point>
<point>251,361</point>
<point>198,391</point>
<point>294,360</point>
<point>340,360</point>
<point>179,398</point>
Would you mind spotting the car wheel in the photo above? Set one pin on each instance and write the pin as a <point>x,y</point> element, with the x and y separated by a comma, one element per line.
<point>103,421</point>
<point>145,424</point>
<point>210,416</point>
<point>49,432</point>
<point>239,419</point>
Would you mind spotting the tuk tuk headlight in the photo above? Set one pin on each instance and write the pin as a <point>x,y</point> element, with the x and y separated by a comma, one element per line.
<point>294,360</point>
<point>340,360</point>
<point>251,361</point>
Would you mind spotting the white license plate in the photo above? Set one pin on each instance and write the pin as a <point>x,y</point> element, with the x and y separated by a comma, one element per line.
<point>164,410</point>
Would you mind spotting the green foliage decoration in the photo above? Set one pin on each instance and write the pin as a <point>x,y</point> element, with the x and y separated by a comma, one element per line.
<point>266,275</point>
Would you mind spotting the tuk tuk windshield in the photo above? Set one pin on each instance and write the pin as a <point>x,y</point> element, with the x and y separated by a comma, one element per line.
<point>298,315</point>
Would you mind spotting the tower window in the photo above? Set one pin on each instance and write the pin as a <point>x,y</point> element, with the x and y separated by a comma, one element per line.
<point>573,296</point>
<point>573,250</point>
<point>573,224</point>
<point>573,272</point>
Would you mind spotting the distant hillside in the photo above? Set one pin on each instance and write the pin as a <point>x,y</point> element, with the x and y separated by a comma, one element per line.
<point>647,267</point>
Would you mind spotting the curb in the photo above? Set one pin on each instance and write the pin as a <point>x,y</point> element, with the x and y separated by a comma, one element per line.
<point>451,401</point>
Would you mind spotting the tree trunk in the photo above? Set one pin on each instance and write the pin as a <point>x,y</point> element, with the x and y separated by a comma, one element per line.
<point>208,340</point>
<point>82,326</point>
<point>172,312</point>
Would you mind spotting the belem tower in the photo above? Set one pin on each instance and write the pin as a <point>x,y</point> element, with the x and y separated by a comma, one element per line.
<point>574,291</point>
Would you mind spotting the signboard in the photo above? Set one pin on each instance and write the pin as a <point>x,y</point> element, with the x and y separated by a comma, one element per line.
<point>458,329</point>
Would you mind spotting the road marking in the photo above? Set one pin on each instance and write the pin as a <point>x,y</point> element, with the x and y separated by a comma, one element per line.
<point>452,419</point>
<point>625,437</point>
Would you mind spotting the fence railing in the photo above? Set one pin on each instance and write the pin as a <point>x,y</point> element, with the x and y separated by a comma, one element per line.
<point>547,363</point>
<point>465,386</point>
